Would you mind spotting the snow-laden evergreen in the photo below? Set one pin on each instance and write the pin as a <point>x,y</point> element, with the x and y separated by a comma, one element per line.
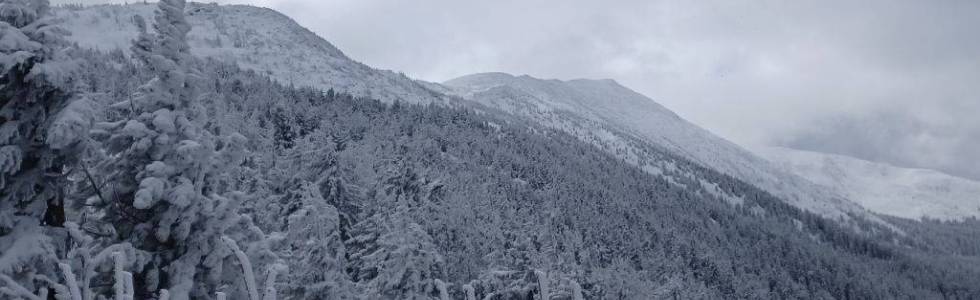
<point>42,120</point>
<point>395,258</point>
<point>314,242</point>
<point>161,164</point>
<point>165,172</point>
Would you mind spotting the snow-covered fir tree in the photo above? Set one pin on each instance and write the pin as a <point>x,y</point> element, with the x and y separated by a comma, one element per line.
<point>395,258</point>
<point>165,172</point>
<point>42,121</point>
<point>317,249</point>
<point>391,254</point>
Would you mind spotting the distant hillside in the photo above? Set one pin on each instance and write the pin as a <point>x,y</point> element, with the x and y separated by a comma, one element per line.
<point>882,188</point>
<point>603,110</point>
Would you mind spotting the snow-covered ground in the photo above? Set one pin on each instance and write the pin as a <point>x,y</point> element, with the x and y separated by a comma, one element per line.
<point>616,108</point>
<point>256,38</point>
<point>882,188</point>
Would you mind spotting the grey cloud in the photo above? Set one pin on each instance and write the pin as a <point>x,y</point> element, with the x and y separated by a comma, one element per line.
<point>904,138</point>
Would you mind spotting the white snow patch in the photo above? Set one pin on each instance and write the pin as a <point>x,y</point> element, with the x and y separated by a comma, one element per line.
<point>882,188</point>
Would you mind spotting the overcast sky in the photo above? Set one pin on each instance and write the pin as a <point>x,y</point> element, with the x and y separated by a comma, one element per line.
<point>895,81</point>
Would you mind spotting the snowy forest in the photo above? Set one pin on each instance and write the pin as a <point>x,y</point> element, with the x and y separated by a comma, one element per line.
<point>150,173</point>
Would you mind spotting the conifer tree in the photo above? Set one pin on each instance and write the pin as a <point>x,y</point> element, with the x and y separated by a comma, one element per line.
<point>315,243</point>
<point>165,170</point>
<point>41,122</point>
<point>395,258</point>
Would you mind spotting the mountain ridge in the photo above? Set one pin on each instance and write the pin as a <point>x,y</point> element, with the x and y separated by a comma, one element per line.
<point>612,104</point>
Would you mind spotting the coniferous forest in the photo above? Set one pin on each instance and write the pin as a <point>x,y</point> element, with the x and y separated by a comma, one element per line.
<point>149,173</point>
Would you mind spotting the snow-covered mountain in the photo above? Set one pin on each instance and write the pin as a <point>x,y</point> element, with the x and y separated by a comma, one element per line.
<point>256,38</point>
<point>603,110</point>
<point>882,188</point>
<point>154,174</point>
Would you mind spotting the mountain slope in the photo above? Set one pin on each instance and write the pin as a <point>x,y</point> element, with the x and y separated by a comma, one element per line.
<point>508,208</point>
<point>602,112</point>
<point>605,110</point>
<point>902,192</point>
<point>256,38</point>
